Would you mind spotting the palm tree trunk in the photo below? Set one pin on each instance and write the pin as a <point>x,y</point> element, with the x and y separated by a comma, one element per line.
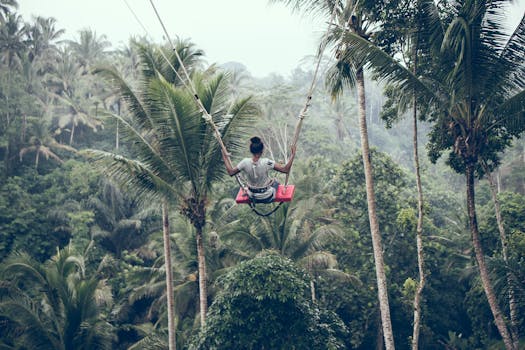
<point>372,216</point>
<point>480,258</point>
<point>169,276</point>
<point>504,247</point>
<point>117,137</point>
<point>117,132</point>
<point>24,128</point>
<point>203,292</point>
<point>72,134</point>
<point>37,157</point>
<point>419,238</point>
<point>419,227</point>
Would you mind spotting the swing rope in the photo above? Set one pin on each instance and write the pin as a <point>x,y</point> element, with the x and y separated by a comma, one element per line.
<point>187,82</point>
<point>307,104</point>
<point>190,86</point>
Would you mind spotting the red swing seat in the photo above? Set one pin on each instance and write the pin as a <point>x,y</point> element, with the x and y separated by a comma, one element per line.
<point>283,194</point>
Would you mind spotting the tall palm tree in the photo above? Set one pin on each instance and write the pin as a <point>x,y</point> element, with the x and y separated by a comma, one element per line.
<point>400,36</point>
<point>12,52</point>
<point>63,313</point>
<point>177,156</point>
<point>476,90</point>
<point>348,72</point>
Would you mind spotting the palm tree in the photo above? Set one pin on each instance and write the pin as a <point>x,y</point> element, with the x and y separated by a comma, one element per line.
<point>90,48</point>
<point>63,313</point>
<point>121,220</point>
<point>77,105</point>
<point>77,111</point>
<point>185,290</point>
<point>177,155</point>
<point>348,72</point>
<point>12,41</point>
<point>65,74</point>
<point>12,53</point>
<point>405,28</point>
<point>41,37</point>
<point>476,90</point>
<point>42,143</point>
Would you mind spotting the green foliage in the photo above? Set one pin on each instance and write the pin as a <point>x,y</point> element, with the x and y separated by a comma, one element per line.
<point>263,303</point>
<point>46,93</point>
<point>40,213</point>
<point>53,305</point>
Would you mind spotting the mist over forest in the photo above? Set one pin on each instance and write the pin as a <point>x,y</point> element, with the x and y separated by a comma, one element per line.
<point>119,227</point>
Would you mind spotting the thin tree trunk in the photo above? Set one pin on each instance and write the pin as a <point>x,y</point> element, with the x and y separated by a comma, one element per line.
<point>312,290</point>
<point>117,137</point>
<point>372,216</point>
<point>203,292</point>
<point>169,276</point>
<point>480,258</point>
<point>117,133</point>
<point>419,239</point>
<point>72,134</point>
<point>6,158</point>
<point>504,247</point>
<point>37,157</point>
<point>419,227</point>
<point>24,128</point>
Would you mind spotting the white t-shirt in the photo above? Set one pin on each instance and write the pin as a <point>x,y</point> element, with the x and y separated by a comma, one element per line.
<point>256,174</point>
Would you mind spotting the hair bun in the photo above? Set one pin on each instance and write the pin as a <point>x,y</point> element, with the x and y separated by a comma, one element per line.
<point>255,139</point>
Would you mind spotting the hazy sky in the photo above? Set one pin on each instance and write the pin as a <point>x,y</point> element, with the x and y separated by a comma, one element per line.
<point>266,38</point>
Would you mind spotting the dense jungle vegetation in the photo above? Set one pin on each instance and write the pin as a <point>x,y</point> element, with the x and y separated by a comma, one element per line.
<point>118,224</point>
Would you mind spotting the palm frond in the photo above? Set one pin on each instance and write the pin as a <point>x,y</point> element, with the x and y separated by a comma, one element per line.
<point>513,54</point>
<point>512,113</point>
<point>20,265</point>
<point>178,129</point>
<point>361,51</point>
<point>133,174</point>
<point>37,334</point>
<point>132,100</point>
<point>146,147</point>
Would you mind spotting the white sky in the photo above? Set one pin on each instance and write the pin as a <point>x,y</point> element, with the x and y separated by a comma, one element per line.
<point>265,38</point>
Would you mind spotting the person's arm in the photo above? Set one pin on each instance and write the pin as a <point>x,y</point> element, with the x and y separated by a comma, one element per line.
<point>286,168</point>
<point>231,171</point>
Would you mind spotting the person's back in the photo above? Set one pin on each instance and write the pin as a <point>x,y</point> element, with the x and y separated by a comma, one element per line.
<point>256,171</point>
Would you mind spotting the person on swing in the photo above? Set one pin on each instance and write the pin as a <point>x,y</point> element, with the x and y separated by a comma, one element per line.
<point>261,188</point>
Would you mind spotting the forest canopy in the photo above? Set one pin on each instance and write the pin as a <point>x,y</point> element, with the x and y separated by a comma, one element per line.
<point>118,222</point>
